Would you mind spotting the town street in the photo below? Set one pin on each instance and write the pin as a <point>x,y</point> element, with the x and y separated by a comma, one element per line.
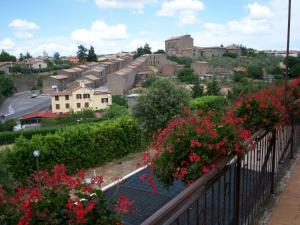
<point>21,104</point>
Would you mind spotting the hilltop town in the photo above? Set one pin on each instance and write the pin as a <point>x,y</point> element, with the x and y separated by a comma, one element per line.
<point>146,112</point>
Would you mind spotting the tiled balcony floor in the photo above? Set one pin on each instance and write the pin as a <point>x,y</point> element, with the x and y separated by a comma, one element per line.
<point>287,209</point>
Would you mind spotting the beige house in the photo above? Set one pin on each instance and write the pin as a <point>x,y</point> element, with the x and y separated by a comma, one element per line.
<point>183,46</point>
<point>121,81</point>
<point>200,67</point>
<point>234,49</point>
<point>213,51</point>
<point>176,45</point>
<point>79,98</point>
<point>35,64</point>
<point>6,67</point>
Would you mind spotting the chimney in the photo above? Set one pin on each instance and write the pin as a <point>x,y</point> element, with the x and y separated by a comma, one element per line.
<point>82,84</point>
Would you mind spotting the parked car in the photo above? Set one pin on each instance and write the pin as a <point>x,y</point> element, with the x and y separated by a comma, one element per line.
<point>34,95</point>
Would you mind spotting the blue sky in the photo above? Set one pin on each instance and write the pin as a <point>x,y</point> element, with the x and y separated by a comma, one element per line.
<point>116,25</point>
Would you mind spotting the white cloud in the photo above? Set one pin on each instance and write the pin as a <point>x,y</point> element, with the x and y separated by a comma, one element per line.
<point>23,25</point>
<point>6,44</point>
<point>100,31</point>
<point>259,11</point>
<point>186,10</point>
<point>23,34</point>
<point>133,4</point>
<point>264,27</point>
<point>22,28</point>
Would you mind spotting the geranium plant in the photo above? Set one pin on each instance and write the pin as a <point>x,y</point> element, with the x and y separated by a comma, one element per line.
<point>58,198</point>
<point>190,145</point>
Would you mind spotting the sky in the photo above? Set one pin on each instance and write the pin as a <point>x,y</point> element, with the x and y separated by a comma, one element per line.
<point>123,25</point>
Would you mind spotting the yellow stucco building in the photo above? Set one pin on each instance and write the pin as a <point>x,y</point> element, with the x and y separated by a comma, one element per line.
<point>79,98</point>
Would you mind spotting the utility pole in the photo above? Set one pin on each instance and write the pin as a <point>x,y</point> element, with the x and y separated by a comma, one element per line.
<point>287,49</point>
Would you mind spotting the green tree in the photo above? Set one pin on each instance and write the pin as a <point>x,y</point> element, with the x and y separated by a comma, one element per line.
<point>56,56</point>
<point>142,51</point>
<point>147,49</point>
<point>162,101</point>
<point>27,56</point>
<point>148,82</point>
<point>186,61</point>
<point>187,75</point>
<point>295,70</point>
<point>21,57</point>
<point>198,89</point>
<point>82,53</point>
<point>292,61</point>
<point>6,86</point>
<point>92,57</point>
<point>213,87</point>
<point>230,54</point>
<point>119,100</point>
<point>255,71</point>
<point>238,78</point>
<point>6,57</point>
<point>159,51</point>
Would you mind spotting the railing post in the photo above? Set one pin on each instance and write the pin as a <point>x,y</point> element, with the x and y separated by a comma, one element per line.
<point>292,138</point>
<point>237,192</point>
<point>273,143</point>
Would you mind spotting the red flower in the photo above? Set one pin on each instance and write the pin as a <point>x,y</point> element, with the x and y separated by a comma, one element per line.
<point>123,205</point>
<point>205,169</point>
<point>143,177</point>
<point>80,174</point>
<point>97,180</point>
<point>194,157</point>
<point>245,134</point>
<point>195,143</point>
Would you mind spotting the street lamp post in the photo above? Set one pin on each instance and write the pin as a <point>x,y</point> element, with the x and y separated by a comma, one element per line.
<point>36,155</point>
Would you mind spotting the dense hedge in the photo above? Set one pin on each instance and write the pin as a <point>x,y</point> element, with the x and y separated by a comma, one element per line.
<point>209,103</point>
<point>81,146</point>
<point>9,137</point>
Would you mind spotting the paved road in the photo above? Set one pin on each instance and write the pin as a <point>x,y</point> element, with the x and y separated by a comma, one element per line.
<point>21,104</point>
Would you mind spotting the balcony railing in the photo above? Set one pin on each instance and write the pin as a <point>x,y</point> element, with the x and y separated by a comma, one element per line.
<point>235,190</point>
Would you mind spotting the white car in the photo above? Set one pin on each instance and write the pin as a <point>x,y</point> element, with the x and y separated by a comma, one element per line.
<point>34,95</point>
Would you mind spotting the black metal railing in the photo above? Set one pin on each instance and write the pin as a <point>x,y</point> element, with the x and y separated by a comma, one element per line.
<point>233,192</point>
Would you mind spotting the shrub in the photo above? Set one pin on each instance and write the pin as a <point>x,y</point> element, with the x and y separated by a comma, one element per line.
<point>81,146</point>
<point>209,103</point>
<point>9,137</point>
<point>230,54</point>
<point>213,87</point>
<point>84,116</point>
<point>116,111</point>
<point>120,100</point>
<point>187,75</point>
<point>198,89</point>
<point>255,71</point>
<point>7,125</point>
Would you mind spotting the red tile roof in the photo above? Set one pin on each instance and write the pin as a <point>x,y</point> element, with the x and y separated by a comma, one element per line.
<point>40,115</point>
